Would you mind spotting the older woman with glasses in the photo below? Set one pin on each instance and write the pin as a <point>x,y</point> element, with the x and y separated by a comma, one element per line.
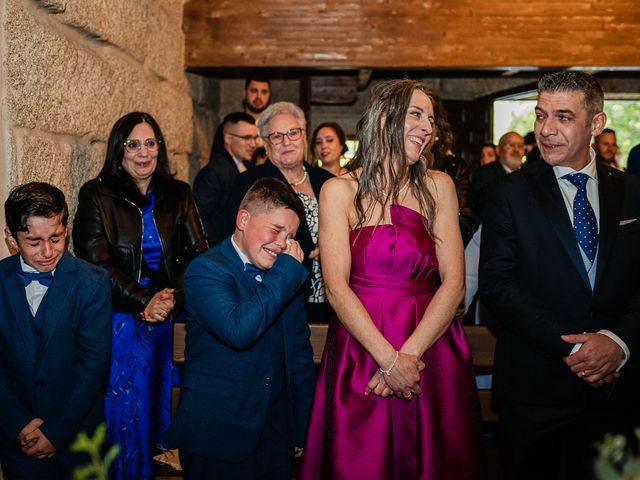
<point>141,225</point>
<point>282,127</point>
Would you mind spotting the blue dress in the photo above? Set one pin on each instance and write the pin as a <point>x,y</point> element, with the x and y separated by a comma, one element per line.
<point>138,400</point>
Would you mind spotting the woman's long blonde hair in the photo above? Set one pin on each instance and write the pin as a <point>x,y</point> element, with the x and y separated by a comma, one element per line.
<point>381,154</point>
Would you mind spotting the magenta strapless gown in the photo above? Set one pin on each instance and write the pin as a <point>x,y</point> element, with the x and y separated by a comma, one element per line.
<point>436,435</point>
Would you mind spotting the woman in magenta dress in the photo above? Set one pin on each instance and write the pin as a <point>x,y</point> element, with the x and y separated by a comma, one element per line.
<point>395,396</point>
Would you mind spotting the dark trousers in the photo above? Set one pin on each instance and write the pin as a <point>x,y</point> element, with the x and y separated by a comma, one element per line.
<point>271,460</point>
<point>17,466</point>
<point>556,441</point>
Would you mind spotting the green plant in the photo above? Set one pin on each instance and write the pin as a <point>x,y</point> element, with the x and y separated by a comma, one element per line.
<point>616,461</point>
<point>98,468</point>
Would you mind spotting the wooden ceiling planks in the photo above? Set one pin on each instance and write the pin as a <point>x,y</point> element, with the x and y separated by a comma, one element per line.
<point>411,33</point>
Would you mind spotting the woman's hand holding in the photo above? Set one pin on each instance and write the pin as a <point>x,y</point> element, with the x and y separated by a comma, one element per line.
<point>159,306</point>
<point>378,386</point>
<point>403,379</point>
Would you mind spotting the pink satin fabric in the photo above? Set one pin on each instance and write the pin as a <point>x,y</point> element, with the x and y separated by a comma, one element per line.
<point>436,435</point>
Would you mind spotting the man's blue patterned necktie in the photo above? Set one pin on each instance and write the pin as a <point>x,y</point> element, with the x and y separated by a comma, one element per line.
<point>585,225</point>
<point>44,278</point>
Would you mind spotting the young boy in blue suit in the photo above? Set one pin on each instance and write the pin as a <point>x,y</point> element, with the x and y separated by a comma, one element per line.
<point>248,375</point>
<point>55,313</point>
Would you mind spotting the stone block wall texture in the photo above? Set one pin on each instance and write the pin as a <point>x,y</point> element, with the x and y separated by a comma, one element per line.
<point>70,68</point>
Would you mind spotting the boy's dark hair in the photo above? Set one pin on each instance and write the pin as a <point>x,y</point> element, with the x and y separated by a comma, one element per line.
<point>270,193</point>
<point>35,199</point>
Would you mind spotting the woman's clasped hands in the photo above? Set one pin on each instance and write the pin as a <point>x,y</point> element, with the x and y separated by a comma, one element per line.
<point>400,377</point>
<point>159,306</point>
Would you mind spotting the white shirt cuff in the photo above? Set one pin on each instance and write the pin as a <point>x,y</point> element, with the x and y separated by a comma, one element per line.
<point>621,344</point>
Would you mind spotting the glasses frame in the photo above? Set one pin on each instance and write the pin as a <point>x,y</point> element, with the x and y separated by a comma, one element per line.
<point>289,133</point>
<point>246,138</point>
<point>131,149</point>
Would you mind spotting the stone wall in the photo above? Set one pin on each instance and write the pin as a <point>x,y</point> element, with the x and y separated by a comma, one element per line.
<point>70,68</point>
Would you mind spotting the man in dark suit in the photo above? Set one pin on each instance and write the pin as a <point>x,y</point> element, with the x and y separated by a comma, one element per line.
<point>248,373</point>
<point>55,314</point>
<point>233,147</point>
<point>510,151</point>
<point>559,268</point>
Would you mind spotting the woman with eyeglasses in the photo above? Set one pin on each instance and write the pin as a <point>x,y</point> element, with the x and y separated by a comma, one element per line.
<point>282,126</point>
<point>141,225</point>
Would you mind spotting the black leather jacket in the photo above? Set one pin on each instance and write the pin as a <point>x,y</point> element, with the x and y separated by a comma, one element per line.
<point>107,231</point>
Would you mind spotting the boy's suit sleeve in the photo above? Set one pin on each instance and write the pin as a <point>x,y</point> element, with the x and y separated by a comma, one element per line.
<point>213,301</point>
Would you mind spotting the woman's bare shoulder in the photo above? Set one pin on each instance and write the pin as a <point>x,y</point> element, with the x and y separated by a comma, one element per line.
<point>439,183</point>
<point>344,186</point>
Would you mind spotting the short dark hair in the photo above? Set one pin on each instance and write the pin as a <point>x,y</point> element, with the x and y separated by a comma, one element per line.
<point>607,130</point>
<point>112,171</point>
<point>575,81</point>
<point>530,138</point>
<point>342,138</point>
<point>270,193</point>
<point>256,77</point>
<point>237,117</point>
<point>34,199</point>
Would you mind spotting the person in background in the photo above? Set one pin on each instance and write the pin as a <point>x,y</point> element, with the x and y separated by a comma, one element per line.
<point>282,127</point>
<point>559,262</point>
<point>54,339</point>
<point>510,157</point>
<point>633,162</point>
<point>488,154</point>
<point>395,396</point>
<point>532,152</point>
<point>606,148</point>
<point>248,372</point>
<point>257,94</point>
<point>259,156</point>
<point>328,145</point>
<point>232,152</point>
<point>455,167</point>
<point>142,226</point>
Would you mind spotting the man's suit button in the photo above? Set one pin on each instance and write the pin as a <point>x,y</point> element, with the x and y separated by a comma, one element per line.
<point>267,381</point>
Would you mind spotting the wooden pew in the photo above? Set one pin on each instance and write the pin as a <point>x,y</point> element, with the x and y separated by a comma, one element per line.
<point>481,339</point>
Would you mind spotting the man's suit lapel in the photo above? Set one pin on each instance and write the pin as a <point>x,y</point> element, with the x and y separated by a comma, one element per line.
<point>546,189</point>
<point>56,299</point>
<point>15,297</point>
<point>611,196</point>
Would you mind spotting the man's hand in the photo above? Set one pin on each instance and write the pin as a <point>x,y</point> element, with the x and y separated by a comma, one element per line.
<point>26,436</point>
<point>597,360</point>
<point>293,248</point>
<point>297,452</point>
<point>41,449</point>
